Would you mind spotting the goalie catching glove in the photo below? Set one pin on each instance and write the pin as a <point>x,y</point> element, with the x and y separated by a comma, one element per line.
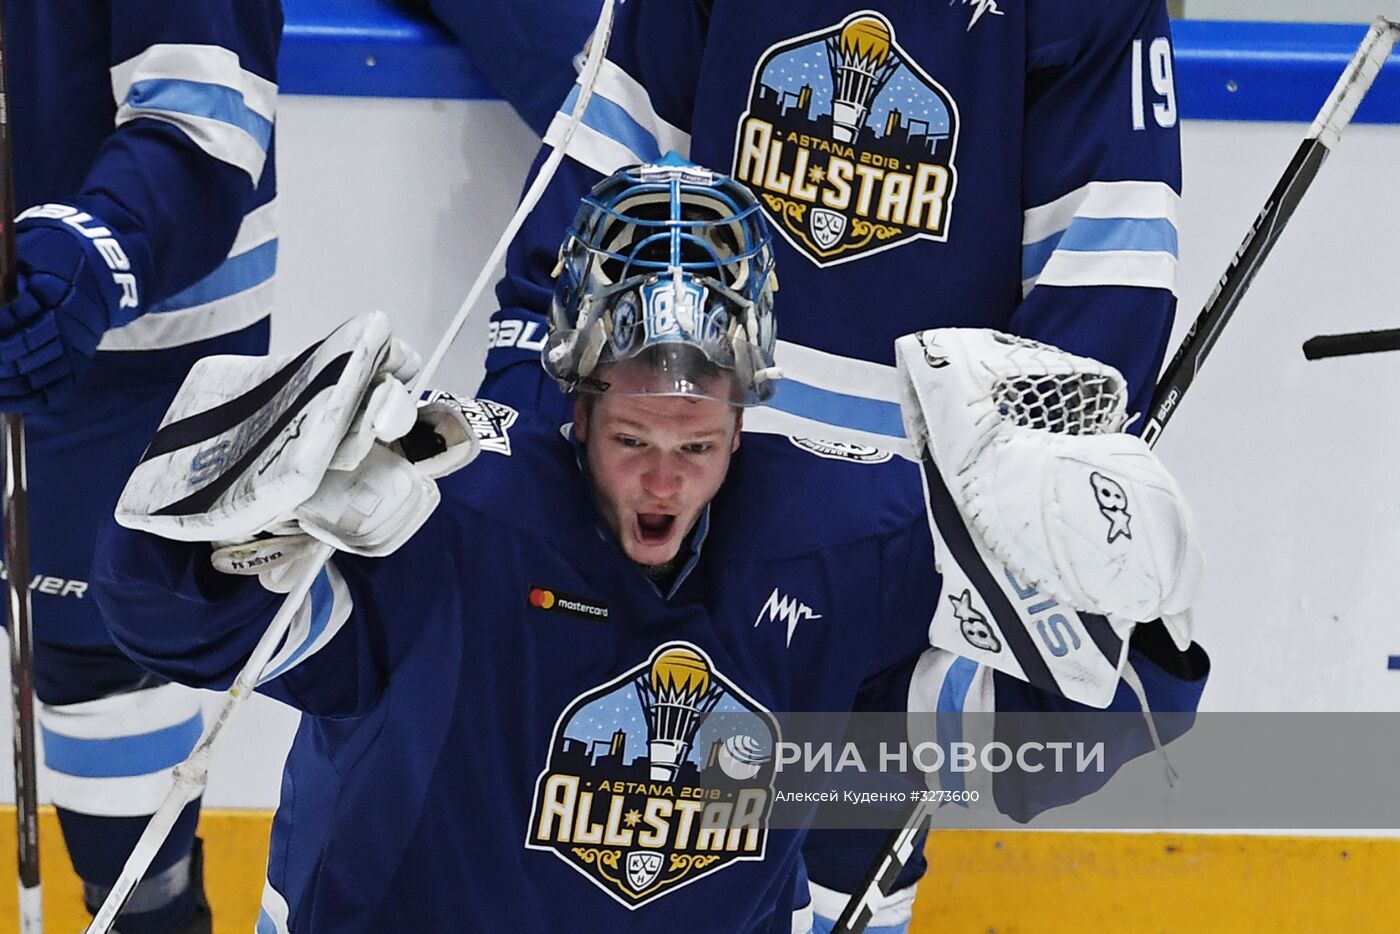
<point>264,457</point>
<point>1055,531</point>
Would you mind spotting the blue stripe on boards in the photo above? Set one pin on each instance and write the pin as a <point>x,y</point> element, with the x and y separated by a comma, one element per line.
<point>1224,70</point>
<point>1240,70</point>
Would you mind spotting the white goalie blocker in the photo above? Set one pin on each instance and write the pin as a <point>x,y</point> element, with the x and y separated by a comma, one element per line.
<point>327,443</point>
<point>1054,532</point>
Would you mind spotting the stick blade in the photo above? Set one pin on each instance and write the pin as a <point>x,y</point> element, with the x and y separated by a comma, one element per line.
<point>1346,345</point>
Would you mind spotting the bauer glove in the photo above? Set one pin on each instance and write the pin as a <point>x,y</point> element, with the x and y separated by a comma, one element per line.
<point>76,280</point>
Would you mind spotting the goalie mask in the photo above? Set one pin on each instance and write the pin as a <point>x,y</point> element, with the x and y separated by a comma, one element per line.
<point>670,264</point>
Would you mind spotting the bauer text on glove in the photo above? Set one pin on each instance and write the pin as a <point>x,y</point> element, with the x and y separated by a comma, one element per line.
<point>77,278</point>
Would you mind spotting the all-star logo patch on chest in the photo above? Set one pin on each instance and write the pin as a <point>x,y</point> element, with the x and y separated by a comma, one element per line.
<point>657,778</point>
<point>848,142</point>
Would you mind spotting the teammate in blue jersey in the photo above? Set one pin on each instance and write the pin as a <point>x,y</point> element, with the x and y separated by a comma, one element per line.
<point>957,164</point>
<point>525,48</point>
<point>142,138</point>
<point>973,163</point>
<point>513,701</point>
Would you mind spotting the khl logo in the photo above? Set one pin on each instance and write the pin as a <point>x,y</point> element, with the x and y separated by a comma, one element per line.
<point>788,610</point>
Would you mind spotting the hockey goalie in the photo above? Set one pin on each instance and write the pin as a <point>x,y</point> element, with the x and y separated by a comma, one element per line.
<point>513,670</point>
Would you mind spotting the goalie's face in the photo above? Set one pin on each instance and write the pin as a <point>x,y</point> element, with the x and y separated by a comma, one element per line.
<point>656,461</point>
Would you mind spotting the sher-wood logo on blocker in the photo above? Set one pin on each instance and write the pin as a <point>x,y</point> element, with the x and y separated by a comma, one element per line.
<point>848,142</point>
<point>644,790</point>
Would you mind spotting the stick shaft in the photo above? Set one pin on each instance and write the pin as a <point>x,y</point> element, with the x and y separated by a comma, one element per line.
<point>1322,136</point>
<point>16,531</point>
<point>879,881</point>
<point>15,503</point>
<point>192,774</point>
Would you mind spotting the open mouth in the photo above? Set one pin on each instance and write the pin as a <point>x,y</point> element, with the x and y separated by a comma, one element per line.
<point>653,528</point>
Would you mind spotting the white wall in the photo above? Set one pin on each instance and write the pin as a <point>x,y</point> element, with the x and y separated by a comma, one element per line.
<point>1311,11</point>
<point>1290,463</point>
<point>393,204</point>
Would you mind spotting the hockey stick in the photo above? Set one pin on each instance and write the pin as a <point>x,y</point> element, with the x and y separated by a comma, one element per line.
<point>1322,136</point>
<point>15,502</point>
<point>1356,342</point>
<point>1319,142</point>
<point>879,881</point>
<point>191,775</point>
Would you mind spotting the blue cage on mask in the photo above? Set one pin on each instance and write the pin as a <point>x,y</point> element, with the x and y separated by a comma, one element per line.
<point>671,265</point>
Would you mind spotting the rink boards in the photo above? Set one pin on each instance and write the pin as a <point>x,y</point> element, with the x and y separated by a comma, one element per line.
<point>399,168</point>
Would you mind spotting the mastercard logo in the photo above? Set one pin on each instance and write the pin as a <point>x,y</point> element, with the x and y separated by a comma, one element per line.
<point>547,598</point>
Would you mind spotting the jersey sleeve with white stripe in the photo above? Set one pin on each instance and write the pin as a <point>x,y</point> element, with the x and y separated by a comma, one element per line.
<point>174,154</point>
<point>1102,189</point>
<point>1020,171</point>
<point>323,666</point>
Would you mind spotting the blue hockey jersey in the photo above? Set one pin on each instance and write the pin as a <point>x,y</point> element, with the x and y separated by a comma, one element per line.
<point>156,116</point>
<point>507,721</point>
<point>972,163</point>
<point>526,48</point>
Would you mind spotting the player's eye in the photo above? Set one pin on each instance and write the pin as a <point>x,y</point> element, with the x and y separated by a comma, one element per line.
<point>628,441</point>
<point>698,447</point>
